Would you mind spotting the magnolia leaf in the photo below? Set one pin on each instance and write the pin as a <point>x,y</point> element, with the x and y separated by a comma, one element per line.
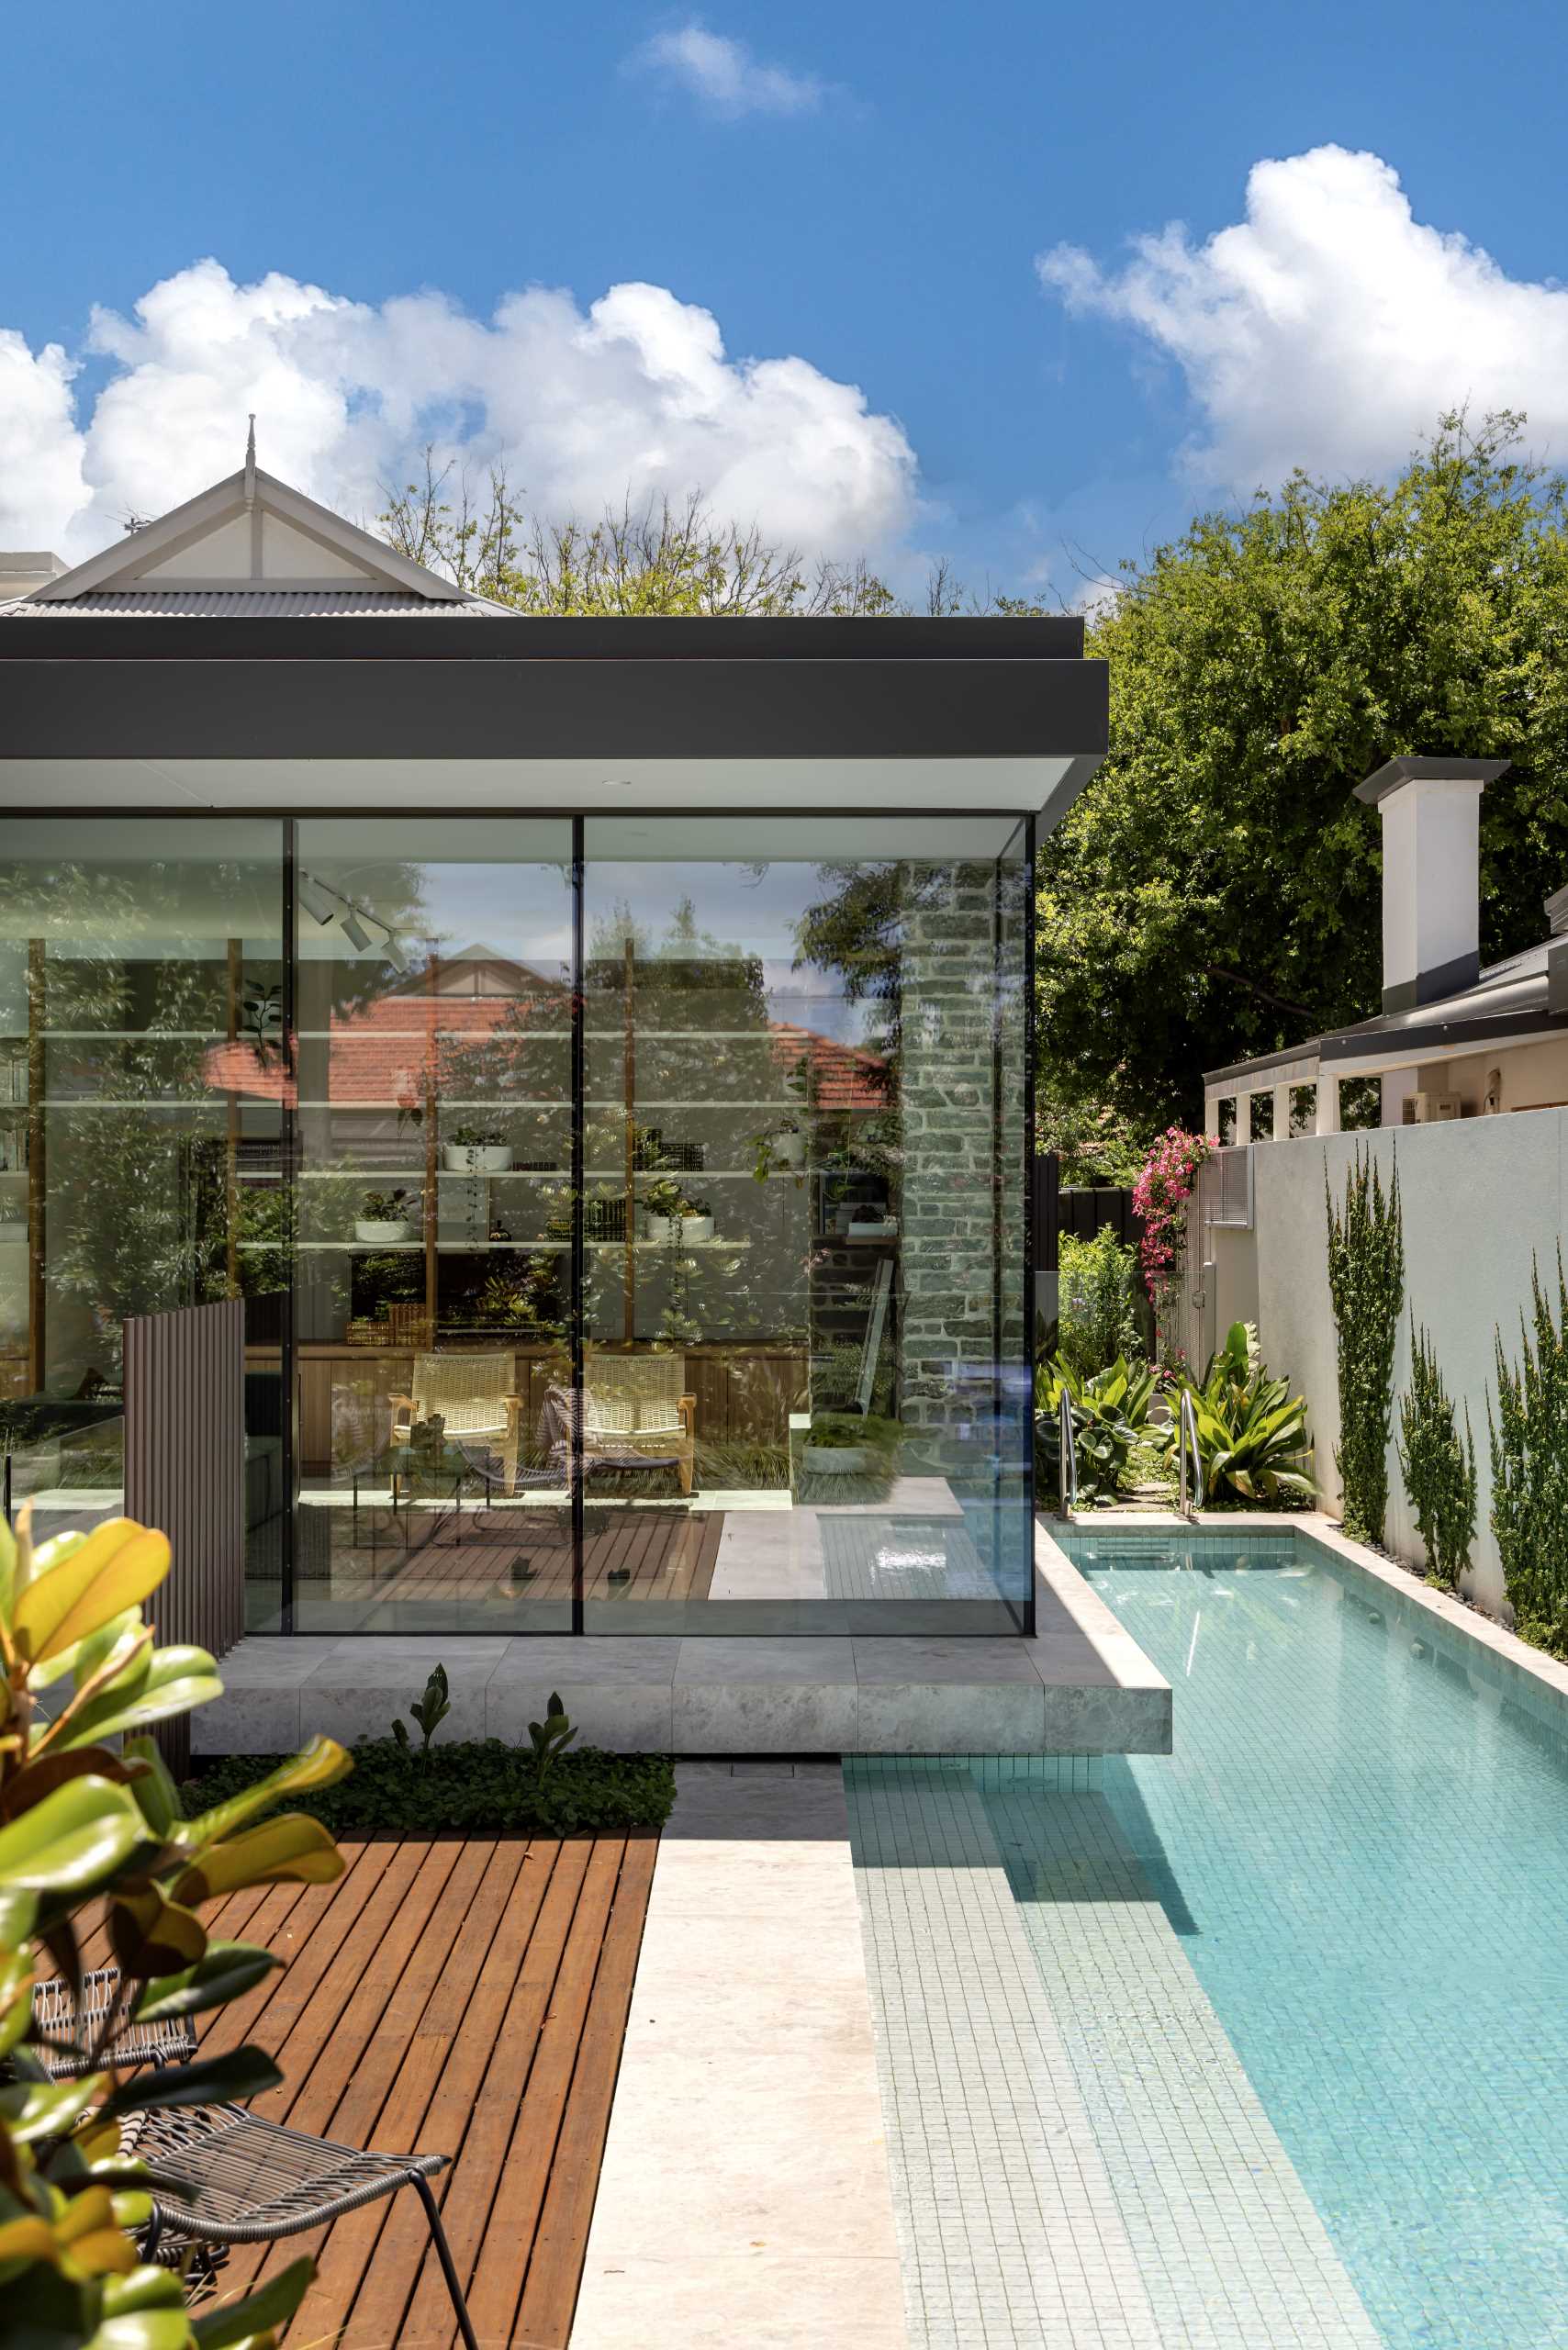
<point>82,1658</point>
<point>148,2288</point>
<point>72,1840</point>
<point>15,1996</point>
<point>225,1970</point>
<point>47,2109</point>
<point>28,2239</point>
<point>154,1936</point>
<point>295,1849</point>
<point>116,1567</point>
<point>150,2329</point>
<point>270,2307</point>
<point>176,1679</point>
<point>39,1778</point>
<point>237,2074</point>
<point>7,1566</point>
<point>153,1787</point>
<point>322,1763</point>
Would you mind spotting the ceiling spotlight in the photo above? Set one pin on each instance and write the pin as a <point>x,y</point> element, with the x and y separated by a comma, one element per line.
<point>355,932</point>
<point>315,899</point>
<point>393,950</point>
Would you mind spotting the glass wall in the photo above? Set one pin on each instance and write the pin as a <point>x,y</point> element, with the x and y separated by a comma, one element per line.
<point>631,1216</point>
<point>805,1377</point>
<point>141,976</point>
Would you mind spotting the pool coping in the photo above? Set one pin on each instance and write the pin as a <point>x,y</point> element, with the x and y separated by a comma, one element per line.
<point>1499,1655</point>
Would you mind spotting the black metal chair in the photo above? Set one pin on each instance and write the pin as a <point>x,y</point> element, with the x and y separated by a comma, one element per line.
<point>219,2175</point>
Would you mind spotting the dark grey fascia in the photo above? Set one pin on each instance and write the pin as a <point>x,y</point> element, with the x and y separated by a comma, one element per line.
<point>1502,1028</point>
<point>191,688</point>
<point>1264,1063</point>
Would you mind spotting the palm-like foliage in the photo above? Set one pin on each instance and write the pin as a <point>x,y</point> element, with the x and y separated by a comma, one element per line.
<point>1252,1435</point>
<point>1109,1412</point>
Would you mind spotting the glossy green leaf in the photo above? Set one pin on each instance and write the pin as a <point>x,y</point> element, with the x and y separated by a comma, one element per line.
<point>33,2109</point>
<point>117,1565</point>
<point>153,1935</point>
<point>321,1763</point>
<point>270,2306</point>
<point>153,1787</point>
<point>73,1839</point>
<point>295,1848</point>
<point>237,2074</point>
<point>226,1971</point>
<point>176,1680</point>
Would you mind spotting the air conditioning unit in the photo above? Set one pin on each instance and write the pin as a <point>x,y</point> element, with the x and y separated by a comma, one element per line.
<point>1431,1109</point>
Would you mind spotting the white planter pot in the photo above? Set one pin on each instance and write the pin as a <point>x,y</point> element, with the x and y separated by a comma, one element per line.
<point>694,1228</point>
<point>477,1157</point>
<point>789,1150</point>
<point>378,1233</point>
<point>835,1460</point>
<point>665,1229</point>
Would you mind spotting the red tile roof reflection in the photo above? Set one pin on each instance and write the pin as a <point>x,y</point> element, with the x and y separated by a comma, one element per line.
<point>383,1055</point>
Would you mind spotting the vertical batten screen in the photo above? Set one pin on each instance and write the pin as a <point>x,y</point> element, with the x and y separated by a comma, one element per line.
<point>184,1464</point>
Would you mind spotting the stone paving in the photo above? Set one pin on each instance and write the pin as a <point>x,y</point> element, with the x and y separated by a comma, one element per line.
<point>1078,2160</point>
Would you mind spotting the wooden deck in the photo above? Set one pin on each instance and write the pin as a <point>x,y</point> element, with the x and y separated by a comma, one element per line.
<point>451,1996</point>
<point>650,1554</point>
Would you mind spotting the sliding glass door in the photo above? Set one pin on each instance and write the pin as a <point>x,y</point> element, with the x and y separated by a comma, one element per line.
<point>434,1224</point>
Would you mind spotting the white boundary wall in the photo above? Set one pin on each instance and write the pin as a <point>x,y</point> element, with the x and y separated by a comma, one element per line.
<point>1479,1195</point>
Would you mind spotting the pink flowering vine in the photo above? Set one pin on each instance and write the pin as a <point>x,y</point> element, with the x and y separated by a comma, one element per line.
<point>1161,1195</point>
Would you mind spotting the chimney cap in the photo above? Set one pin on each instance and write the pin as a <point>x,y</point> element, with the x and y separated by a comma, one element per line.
<point>1394,772</point>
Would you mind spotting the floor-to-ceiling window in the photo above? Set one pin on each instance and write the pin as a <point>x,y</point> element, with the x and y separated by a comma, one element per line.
<point>631,1214</point>
<point>141,985</point>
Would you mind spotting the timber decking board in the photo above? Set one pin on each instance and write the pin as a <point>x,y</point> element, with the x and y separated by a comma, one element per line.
<point>468,1998</point>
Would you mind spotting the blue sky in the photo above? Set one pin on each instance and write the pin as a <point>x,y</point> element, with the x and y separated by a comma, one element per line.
<point>866,192</point>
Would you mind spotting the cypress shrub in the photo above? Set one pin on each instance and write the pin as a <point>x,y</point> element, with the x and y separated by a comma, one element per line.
<point>1366,1284</point>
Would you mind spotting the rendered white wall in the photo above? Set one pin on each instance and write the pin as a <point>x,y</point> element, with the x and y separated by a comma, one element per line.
<point>1478,1197</point>
<point>1431,862</point>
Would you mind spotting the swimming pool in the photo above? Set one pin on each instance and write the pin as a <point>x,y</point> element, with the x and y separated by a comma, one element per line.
<point>1362,1845</point>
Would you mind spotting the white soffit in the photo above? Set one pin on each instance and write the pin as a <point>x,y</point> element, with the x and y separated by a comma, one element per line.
<point>947,787</point>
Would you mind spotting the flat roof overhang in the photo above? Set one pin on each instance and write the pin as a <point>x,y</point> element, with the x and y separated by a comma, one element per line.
<point>553,707</point>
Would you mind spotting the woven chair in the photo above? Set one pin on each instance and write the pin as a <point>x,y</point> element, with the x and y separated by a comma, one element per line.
<point>603,1448</point>
<point>638,1404</point>
<point>218,2174</point>
<point>473,1394</point>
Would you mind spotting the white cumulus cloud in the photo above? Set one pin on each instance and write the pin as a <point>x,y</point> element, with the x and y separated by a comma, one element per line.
<point>724,76</point>
<point>635,394</point>
<point>1330,328</point>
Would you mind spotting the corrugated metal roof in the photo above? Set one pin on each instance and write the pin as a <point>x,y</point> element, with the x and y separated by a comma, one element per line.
<point>249,603</point>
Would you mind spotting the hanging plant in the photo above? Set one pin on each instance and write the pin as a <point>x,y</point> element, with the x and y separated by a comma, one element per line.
<point>1366,1286</point>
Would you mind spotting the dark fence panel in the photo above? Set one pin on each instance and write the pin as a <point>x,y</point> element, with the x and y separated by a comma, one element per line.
<point>184,1472</point>
<point>1079,1211</point>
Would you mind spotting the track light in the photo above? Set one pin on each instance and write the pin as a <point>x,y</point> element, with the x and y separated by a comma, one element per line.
<point>315,899</point>
<point>355,932</point>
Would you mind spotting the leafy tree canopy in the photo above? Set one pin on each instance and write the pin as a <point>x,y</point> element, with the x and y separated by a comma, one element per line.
<point>1216,892</point>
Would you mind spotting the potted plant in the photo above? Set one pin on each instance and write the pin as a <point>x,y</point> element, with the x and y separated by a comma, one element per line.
<point>661,1210</point>
<point>696,1222</point>
<point>781,1149</point>
<point>476,1150</point>
<point>385,1217</point>
<point>834,1451</point>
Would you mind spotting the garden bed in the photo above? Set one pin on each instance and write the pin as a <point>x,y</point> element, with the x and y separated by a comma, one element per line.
<point>474,1785</point>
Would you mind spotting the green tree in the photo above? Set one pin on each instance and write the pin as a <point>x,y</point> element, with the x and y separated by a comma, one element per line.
<point>1214,892</point>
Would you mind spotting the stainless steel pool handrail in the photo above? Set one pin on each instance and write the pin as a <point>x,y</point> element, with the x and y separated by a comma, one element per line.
<point>1069,1466</point>
<point>1187,1450</point>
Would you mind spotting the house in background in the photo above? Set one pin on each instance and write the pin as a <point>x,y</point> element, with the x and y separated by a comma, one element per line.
<point>357,938</point>
<point>1452,1040</point>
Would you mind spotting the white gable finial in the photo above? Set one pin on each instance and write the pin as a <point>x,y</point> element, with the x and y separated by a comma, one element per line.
<point>251,462</point>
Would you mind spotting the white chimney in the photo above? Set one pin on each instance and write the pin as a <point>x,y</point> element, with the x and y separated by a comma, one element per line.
<point>1432,874</point>
<point>20,574</point>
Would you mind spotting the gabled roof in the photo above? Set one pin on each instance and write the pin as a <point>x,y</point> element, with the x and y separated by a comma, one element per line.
<point>248,543</point>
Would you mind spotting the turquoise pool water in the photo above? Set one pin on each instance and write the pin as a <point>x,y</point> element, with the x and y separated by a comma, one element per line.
<point>1364,1848</point>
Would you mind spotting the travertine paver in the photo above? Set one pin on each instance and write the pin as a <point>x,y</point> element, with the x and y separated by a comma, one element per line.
<point>1078,2160</point>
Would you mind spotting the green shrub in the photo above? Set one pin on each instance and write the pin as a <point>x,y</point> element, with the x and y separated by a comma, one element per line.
<point>1253,1444</point>
<point>481,1786</point>
<point>1097,1319</point>
<point>1366,1285</point>
<point>1437,1466</point>
<point>1109,1412</point>
<point>1527,1441</point>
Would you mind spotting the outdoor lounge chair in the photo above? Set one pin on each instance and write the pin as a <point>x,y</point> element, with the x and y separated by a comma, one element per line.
<point>219,2175</point>
<point>472,1394</point>
<point>614,1437</point>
